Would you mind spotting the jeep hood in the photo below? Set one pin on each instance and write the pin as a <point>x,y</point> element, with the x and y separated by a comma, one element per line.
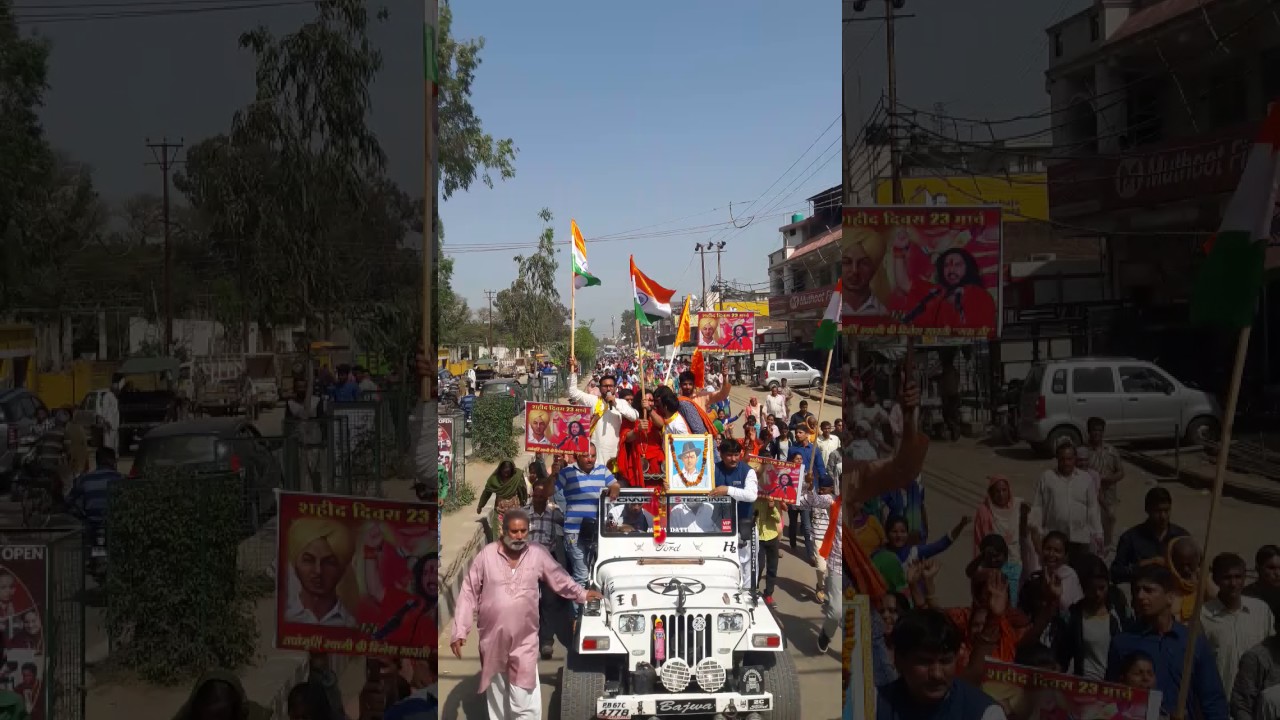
<point>656,586</point>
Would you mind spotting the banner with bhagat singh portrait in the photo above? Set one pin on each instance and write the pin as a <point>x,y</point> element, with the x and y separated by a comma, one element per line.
<point>922,271</point>
<point>726,333</point>
<point>550,427</point>
<point>356,576</point>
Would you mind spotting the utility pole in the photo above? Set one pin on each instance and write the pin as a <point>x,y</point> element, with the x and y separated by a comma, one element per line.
<point>165,161</point>
<point>719,278</point>
<point>703,250</point>
<point>895,161</point>
<point>490,293</point>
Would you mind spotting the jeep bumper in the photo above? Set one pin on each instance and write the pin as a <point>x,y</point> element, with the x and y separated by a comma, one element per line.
<point>624,707</point>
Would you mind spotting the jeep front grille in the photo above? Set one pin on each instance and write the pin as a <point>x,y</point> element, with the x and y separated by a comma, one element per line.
<point>684,640</point>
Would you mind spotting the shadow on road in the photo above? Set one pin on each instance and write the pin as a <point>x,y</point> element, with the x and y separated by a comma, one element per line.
<point>1021,454</point>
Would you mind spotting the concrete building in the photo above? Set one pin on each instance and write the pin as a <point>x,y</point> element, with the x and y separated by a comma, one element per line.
<point>804,270</point>
<point>1154,106</point>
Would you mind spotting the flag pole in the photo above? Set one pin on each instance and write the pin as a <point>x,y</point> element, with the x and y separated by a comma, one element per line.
<point>822,400</point>
<point>431,19</point>
<point>573,309</point>
<point>1219,477</point>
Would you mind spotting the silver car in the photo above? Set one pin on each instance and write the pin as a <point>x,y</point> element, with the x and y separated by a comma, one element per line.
<point>1138,400</point>
<point>797,373</point>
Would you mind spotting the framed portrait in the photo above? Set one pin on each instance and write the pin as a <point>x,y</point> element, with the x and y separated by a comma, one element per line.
<point>689,464</point>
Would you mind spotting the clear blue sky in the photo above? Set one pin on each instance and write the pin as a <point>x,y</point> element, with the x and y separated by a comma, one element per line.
<point>628,115</point>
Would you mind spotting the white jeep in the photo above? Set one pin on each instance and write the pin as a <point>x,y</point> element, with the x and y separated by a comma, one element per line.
<point>676,634</point>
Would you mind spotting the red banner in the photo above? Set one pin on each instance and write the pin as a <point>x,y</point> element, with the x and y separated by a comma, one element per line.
<point>1034,694</point>
<point>776,478</point>
<point>560,428</point>
<point>726,333</point>
<point>922,271</point>
<point>356,576</point>
<point>23,596</point>
<point>445,449</point>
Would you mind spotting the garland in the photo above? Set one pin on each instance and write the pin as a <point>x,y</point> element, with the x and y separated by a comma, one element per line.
<point>658,509</point>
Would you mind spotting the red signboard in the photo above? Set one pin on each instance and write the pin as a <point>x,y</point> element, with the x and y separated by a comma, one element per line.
<point>1178,170</point>
<point>922,271</point>
<point>357,576</point>
<point>783,305</point>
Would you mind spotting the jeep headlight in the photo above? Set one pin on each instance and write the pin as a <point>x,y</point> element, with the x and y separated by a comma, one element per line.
<point>630,624</point>
<point>729,622</point>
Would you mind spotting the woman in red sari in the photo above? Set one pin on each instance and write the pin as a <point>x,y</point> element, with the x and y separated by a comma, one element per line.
<point>640,453</point>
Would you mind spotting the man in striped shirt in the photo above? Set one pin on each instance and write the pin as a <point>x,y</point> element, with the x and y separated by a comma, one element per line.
<point>578,489</point>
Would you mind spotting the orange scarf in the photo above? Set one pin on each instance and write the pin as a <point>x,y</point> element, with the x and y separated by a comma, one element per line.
<point>862,572</point>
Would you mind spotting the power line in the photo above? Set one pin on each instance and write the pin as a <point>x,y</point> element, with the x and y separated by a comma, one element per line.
<point>46,18</point>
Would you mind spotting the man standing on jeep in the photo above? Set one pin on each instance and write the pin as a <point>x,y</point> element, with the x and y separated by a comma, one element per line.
<point>737,480</point>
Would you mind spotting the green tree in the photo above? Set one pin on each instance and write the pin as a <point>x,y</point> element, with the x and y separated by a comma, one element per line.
<point>530,311</point>
<point>467,154</point>
<point>27,161</point>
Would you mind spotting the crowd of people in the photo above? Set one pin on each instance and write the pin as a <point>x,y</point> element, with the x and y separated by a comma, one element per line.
<point>1054,587</point>
<point>534,575</point>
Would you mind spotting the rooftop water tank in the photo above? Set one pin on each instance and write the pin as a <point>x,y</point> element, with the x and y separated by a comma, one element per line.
<point>797,217</point>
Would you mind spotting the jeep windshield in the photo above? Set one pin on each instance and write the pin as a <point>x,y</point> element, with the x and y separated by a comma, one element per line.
<point>686,515</point>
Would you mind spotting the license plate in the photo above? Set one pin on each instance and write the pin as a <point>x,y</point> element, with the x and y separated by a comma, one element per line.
<point>98,552</point>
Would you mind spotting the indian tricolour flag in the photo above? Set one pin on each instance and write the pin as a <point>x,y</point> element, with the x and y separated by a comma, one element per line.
<point>825,339</point>
<point>581,277</point>
<point>1226,289</point>
<point>653,302</point>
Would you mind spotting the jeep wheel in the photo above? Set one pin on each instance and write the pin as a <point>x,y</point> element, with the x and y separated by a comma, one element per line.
<point>781,679</point>
<point>581,684</point>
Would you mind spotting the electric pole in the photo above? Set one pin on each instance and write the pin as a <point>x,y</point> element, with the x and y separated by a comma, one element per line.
<point>490,293</point>
<point>719,278</point>
<point>703,250</point>
<point>161,151</point>
<point>895,162</point>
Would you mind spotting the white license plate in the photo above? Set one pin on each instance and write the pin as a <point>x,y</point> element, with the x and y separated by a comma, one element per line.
<point>98,552</point>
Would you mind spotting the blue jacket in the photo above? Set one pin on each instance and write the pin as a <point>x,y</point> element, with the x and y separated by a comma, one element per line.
<point>964,702</point>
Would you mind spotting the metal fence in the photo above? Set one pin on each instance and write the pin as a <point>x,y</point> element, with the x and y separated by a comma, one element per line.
<point>46,621</point>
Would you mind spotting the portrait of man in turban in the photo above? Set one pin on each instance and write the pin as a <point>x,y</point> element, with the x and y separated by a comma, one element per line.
<point>539,421</point>
<point>320,552</point>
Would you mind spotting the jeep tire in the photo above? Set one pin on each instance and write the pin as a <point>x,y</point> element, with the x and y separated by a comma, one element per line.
<point>581,684</point>
<point>781,679</point>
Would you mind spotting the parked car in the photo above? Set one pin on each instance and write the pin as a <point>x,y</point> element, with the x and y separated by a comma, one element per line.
<point>217,446</point>
<point>506,386</point>
<point>17,418</point>
<point>1137,399</point>
<point>797,373</point>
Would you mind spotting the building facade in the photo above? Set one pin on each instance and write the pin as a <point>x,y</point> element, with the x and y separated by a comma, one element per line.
<point>1155,105</point>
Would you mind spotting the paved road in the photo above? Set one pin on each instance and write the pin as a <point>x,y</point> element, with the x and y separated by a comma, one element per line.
<point>798,614</point>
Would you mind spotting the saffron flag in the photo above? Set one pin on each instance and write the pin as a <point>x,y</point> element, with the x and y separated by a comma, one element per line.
<point>825,339</point>
<point>653,302</point>
<point>581,277</point>
<point>1226,289</point>
<point>682,329</point>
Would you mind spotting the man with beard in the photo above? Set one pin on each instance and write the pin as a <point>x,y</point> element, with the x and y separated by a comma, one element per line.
<point>959,299</point>
<point>860,275</point>
<point>608,412</point>
<point>320,552</point>
<point>501,592</point>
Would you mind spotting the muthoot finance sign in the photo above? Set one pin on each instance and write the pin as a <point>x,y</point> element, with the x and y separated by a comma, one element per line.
<point>1023,197</point>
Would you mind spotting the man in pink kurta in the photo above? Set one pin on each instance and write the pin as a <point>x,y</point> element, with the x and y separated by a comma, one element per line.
<point>501,591</point>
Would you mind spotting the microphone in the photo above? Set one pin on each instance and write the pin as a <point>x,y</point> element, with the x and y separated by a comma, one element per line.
<point>918,309</point>
<point>394,623</point>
